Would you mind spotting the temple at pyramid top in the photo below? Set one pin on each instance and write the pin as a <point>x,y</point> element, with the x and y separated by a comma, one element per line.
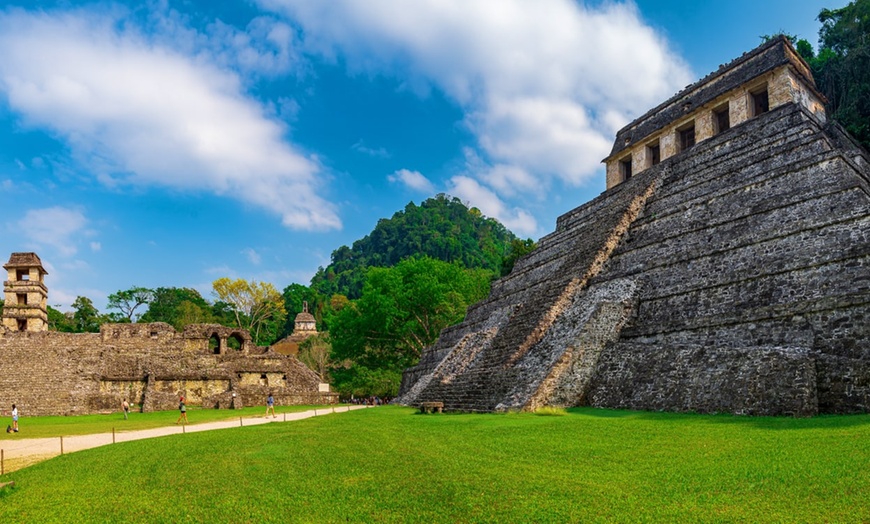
<point>767,77</point>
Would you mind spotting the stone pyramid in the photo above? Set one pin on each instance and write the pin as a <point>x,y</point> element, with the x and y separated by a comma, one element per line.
<point>725,269</point>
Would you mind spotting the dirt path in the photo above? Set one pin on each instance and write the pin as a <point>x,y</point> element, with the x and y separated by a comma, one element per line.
<point>17,454</point>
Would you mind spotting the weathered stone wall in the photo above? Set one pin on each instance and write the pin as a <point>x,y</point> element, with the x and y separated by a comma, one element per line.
<point>149,364</point>
<point>49,373</point>
<point>750,274</point>
<point>745,380</point>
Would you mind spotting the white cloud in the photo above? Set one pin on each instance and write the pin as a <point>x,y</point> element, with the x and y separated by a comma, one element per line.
<point>471,191</point>
<point>265,47</point>
<point>413,179</point>
<point>544,84</point>
<point>375,153</point>
<point>252,255</point>
<point>96,246</point>
<point>136,111</point>
<point>57,227</point>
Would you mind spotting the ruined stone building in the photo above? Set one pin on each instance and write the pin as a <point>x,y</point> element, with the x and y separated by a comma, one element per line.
<point>25,295</point>
<point>726,268</point>
<point>304,327</point>
<point>48,373</point>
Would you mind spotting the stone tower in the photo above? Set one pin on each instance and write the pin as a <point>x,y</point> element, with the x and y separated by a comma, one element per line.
<point>304,326</point>
<point>726,268</point>
<point>305,323</point>
<point>25,294</point>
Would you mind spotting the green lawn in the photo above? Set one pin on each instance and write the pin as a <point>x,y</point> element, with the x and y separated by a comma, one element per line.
<point>392,465</point>
<point>40,427</point>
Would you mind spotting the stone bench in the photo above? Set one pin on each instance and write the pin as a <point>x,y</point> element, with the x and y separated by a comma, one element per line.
<point>431,407</point>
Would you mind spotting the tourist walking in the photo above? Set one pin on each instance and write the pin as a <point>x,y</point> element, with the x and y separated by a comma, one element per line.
<point>183,409</point>
<point>270,406</point>
<point>126,407</point>
<point>14,418</point>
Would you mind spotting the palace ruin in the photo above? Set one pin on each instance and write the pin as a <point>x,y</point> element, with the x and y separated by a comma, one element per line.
<point>726,268</point>
<point>50,373</point>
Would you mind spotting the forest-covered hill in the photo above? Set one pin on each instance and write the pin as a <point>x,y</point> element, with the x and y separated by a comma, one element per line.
<point>441,227</point>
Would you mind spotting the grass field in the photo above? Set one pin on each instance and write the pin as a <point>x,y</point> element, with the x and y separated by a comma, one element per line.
<point>392,465</point>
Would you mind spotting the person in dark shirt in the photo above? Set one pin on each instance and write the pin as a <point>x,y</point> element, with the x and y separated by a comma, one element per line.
<point>270,406</point>
<point>183,409</point>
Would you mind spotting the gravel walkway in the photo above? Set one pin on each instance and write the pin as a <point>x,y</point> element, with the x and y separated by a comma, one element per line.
<point>17,454</point>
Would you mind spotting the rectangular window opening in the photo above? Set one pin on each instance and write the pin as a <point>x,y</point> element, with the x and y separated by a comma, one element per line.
<point>22,299</point>
<point>625,168</point>
<point>760,101</point>
<point>654,154</point>
<point>23,274</point>
<point>686,136</point>
<point>721,119</point>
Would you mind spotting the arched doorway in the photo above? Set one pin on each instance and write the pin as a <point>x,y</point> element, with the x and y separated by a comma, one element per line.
<point>214,344</point>
<point>235,341</point>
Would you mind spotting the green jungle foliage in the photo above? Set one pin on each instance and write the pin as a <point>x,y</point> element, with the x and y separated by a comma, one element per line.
<point>442,228</point>
<point>402,310</point>
<point>842,66</point>
<point>388,464</point>
<point>518,249</point>
<point>84,318</point>
<point>178,307</point>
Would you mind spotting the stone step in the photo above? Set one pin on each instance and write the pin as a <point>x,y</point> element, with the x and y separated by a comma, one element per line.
<point>640,252</point>
<point>820,323</point>
<point>842,239</point>
<point>782,295</point>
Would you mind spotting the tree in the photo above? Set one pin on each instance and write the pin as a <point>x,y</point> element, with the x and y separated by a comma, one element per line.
<point>338,302</point>
<point>518,249</point>
<point>190,313</point>
<point>402,310</point>
<point>842,66</point>
<point>254,304</point>
<point>86,317</point>
<point>315,353</point>
<point>58,321</point>
<point>128,301</point>
<point>361,381</point>
<point>166,306</point>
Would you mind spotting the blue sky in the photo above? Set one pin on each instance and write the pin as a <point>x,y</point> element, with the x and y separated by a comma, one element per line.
<point>174,142</point>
